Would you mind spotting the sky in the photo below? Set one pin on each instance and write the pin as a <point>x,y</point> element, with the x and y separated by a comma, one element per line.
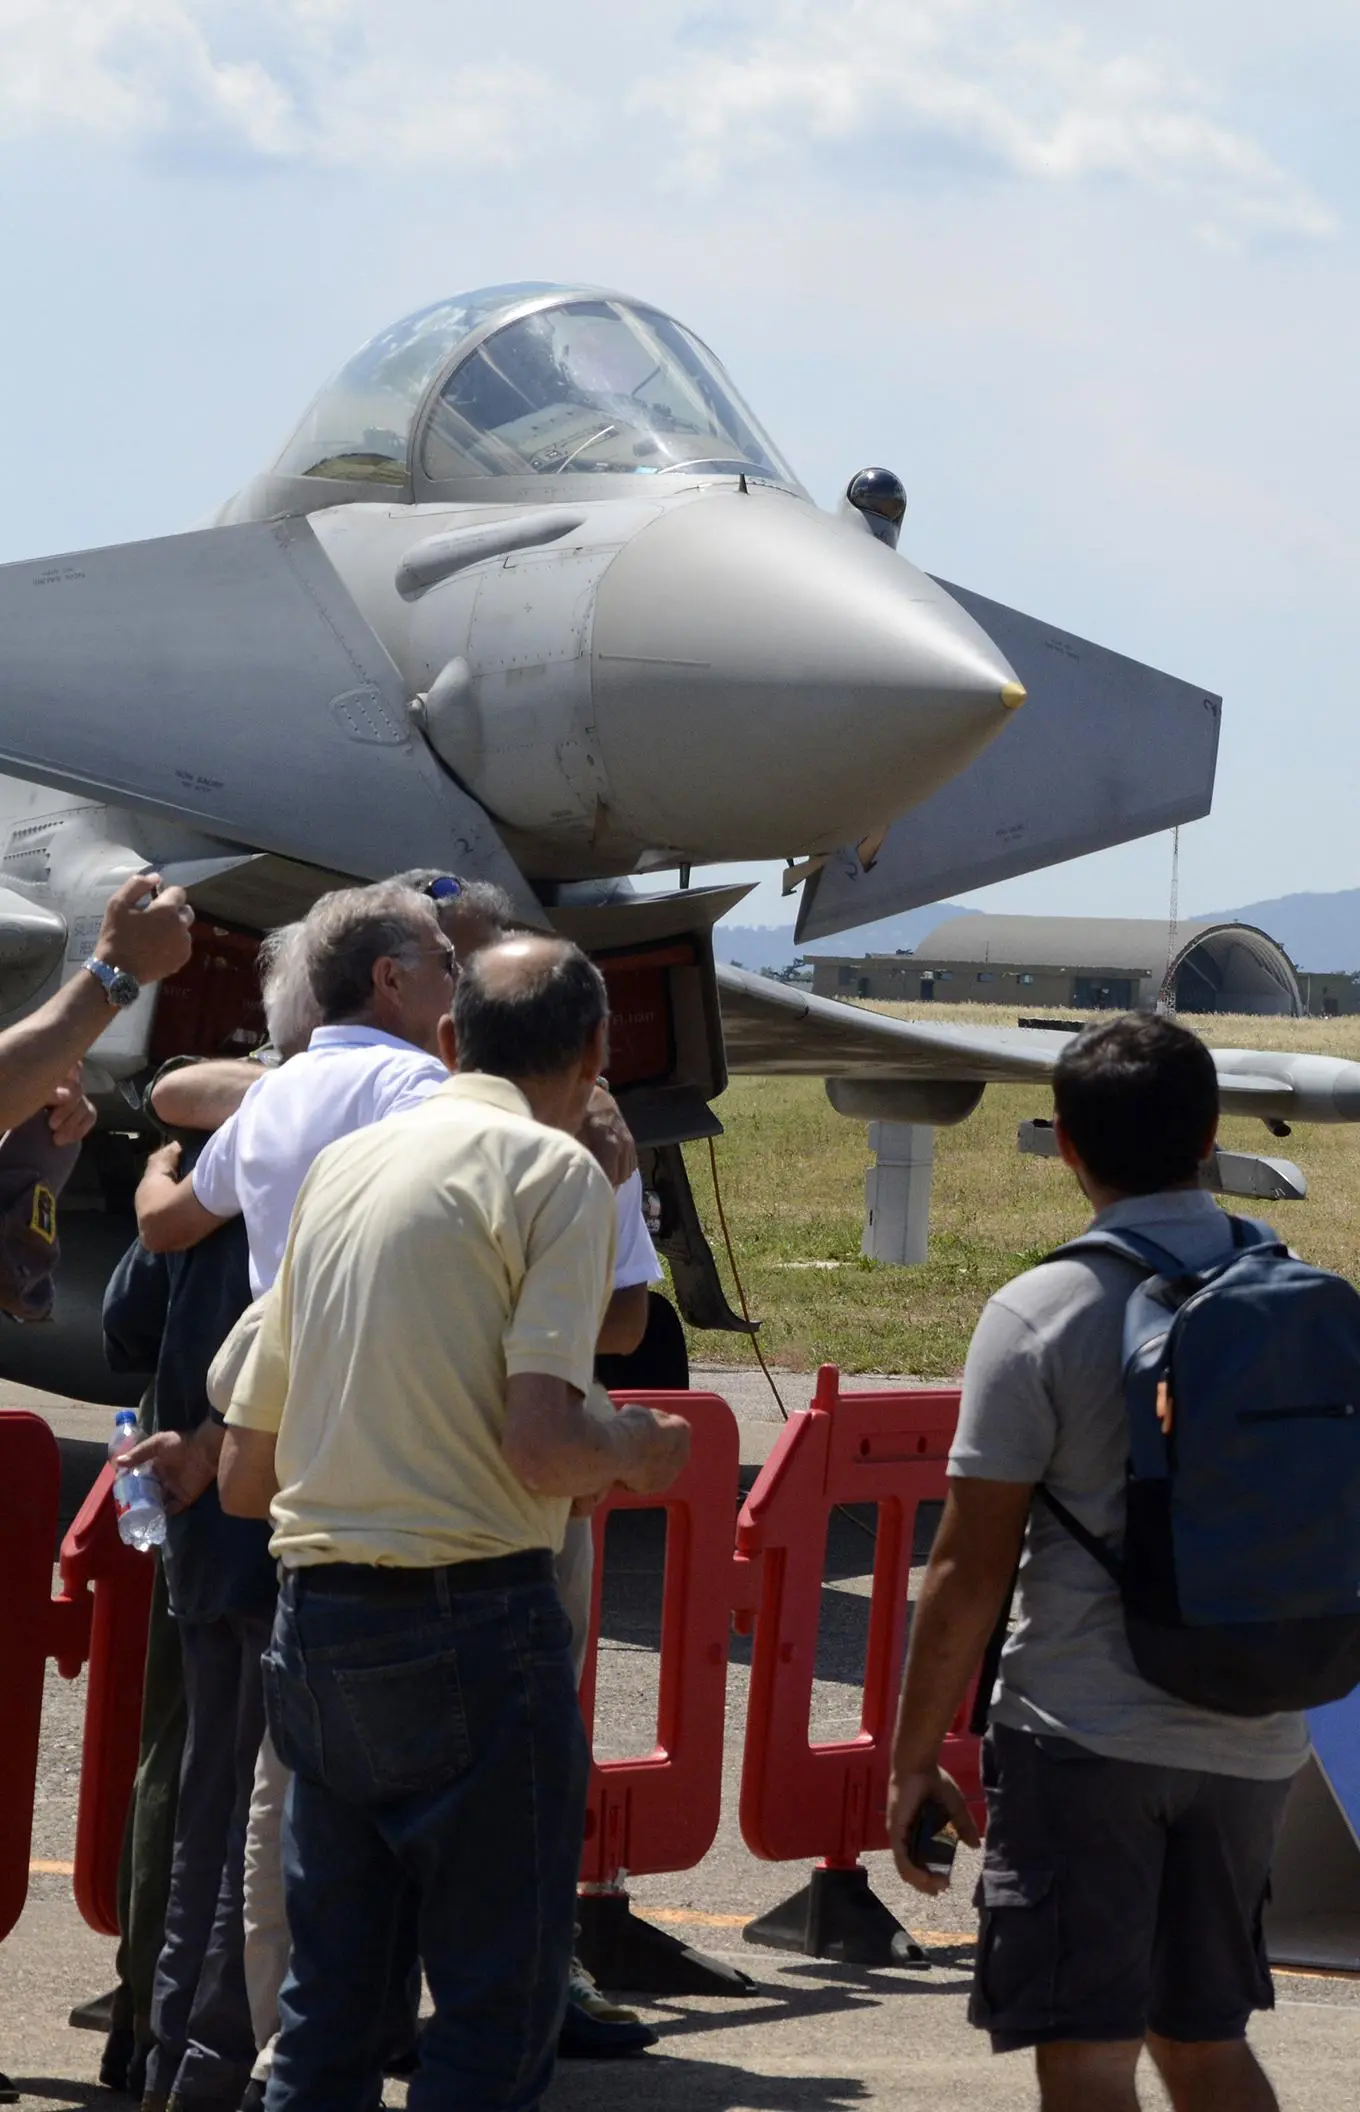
<point>1085,277</point>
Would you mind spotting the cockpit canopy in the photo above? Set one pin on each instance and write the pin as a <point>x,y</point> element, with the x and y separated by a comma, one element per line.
<point>524,383</point>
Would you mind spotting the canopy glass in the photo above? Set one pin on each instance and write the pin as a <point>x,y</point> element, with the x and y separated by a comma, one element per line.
<point>584,385</point>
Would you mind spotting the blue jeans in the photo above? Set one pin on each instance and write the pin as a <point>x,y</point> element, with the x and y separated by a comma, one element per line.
<point>431,1721</point>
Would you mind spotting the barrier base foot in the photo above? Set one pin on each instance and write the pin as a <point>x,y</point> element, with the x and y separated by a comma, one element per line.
<point>837,1916</point>
<point>96,2015</point>
<point>631,1956</point>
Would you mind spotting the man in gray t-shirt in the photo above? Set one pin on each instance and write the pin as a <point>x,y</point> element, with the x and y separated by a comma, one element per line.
<point>1129,1834</point>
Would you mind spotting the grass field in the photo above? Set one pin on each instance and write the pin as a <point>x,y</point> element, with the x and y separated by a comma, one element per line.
<point>792,1176</point>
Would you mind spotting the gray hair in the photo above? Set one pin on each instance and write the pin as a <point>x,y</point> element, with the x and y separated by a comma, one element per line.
<point>291,1012</point>
<point>350,931</point>
<point>480,898</point>
<point>537,1026</point>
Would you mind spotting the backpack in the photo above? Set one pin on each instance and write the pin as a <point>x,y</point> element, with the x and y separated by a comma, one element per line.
<point>1240,1570</point>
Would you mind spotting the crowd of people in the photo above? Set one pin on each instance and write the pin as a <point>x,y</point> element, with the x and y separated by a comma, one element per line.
<point>375,1269</point>
<point>391,1252</point>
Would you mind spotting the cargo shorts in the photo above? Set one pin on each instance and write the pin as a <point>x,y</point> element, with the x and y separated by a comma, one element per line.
<point>1119,1898</point>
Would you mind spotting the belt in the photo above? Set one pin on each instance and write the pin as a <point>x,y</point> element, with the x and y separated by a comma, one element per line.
<point>496,1573</point>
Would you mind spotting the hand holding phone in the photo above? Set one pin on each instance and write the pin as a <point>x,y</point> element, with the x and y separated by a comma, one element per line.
<point>931,1841</point>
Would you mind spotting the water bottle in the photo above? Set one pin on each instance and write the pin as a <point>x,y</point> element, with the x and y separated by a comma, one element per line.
<point>137,1494</point>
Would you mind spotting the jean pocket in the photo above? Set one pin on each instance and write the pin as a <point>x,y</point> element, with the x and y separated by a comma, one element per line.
<point>407,1722</point>
<point>293,1718</point>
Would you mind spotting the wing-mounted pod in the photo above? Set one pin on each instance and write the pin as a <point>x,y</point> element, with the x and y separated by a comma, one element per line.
<point>1105,750</point>
<point>226,680</point>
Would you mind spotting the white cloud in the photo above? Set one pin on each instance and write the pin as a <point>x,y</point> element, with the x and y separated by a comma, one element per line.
<point>982,80</point>
<point>333,83</point>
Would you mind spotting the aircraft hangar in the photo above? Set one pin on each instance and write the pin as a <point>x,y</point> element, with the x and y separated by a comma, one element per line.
<point>1091,963</point>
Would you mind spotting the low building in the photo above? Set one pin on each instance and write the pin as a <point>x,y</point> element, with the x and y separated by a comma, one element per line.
<point>1092,964</point>
<point>1329,996</point>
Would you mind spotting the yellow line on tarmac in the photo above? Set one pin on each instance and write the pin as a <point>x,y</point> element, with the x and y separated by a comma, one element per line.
<point>51,1869</point>
<point>701,1921</point>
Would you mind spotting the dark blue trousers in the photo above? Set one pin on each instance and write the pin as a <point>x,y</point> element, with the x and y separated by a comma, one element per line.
<point>431,1720</point>
<point>199,2015</point>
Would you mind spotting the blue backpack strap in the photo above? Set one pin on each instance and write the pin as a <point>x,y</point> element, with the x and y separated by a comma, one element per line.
<point>1149,1259</point>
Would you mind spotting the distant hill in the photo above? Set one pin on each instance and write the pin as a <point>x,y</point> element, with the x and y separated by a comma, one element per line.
<point>760,946</point>
<point>1320,933</point>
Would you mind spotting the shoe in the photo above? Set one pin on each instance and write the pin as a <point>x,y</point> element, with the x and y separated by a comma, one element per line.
<point>8,2094</point>
<point>587,2038</point>
<point>154,2101</point>
<point>119,2048</point>
<point>583,1992</point>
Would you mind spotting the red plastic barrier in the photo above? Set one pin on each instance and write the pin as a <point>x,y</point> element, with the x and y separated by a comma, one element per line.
<point>115,1581</point>
<point>660,1811</point>
<point>100,1615</point>
<point>30,1482</point>
<point>800,1799</point>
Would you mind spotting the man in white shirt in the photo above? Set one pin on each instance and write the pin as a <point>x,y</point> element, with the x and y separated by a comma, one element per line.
<point>382,974</point>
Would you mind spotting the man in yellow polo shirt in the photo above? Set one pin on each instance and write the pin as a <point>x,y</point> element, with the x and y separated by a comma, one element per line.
<point>415,1418</point>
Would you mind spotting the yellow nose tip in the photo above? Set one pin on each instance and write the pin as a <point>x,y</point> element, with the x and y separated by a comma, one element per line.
<point>1013,695</point>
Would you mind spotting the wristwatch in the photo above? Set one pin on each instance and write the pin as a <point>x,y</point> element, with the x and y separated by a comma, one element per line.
<point>119,986</point>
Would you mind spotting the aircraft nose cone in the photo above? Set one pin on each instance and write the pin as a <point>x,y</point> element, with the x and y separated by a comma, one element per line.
<point>747,641</point>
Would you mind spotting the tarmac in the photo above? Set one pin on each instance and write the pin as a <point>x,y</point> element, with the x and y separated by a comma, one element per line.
<point>812,2037</point>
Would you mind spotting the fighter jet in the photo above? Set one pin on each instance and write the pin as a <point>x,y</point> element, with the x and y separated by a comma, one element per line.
<point>530,595</point>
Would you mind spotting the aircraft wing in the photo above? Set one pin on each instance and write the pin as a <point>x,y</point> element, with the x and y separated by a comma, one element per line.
<point>226,678</point>
<point>779,1028</point>
<point>1104,750</point>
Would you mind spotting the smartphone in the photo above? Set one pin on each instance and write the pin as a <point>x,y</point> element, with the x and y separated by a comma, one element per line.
<point>931,1840</point>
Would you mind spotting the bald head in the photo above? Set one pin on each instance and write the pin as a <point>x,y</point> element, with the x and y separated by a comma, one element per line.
<point>530,1007</point>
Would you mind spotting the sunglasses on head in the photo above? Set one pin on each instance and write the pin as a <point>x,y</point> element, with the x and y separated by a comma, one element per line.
<point>443,889</point>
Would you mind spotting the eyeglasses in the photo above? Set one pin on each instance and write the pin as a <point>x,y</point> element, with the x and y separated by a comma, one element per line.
<point>447,957</point>
<point>444,889</point>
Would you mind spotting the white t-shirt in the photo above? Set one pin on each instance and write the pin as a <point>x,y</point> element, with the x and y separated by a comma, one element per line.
<point>253,1166</point>
<point>345,1079</point>
<point>634,1255</point>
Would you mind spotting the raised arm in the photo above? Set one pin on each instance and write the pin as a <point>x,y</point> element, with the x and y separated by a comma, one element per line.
<point>38,1054</point>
